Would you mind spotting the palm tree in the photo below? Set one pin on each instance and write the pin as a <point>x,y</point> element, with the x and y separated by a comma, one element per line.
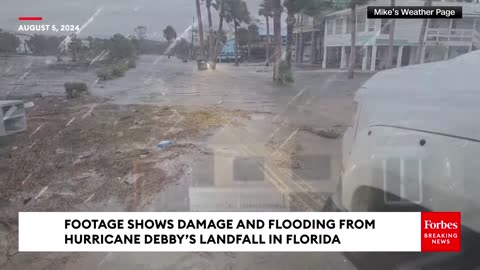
<point>200,27</point>
<point>353,7</point>
<point>277,33</point>
<point>292,8</point>
<point>310,8</point>
<point>390,39</point>
<point>266,10</point>
<point>237,13</point>
<point>301,39</point>
<point>252,36</point>
<point>169,34</point>
<point>316,9</point>
<point>208,3</point>
<point>219,4</point>
<point>421,38</point>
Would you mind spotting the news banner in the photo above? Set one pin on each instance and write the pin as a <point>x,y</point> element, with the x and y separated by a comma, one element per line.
<point>239,232</point>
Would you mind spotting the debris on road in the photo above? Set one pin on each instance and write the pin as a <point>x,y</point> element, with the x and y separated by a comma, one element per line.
<point>132,178</point>
<point>29,105</point>
<point>329,133</point>
<point>12,117</point>
<point>93,154</point>
<point>284,155</point>
<point>164,144</point>
<point>75,89</point>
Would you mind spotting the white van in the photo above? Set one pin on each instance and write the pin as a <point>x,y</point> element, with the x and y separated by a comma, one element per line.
<point>415,146</point>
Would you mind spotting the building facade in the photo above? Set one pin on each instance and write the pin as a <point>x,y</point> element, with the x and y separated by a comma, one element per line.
<point>308,36</point>
<point>444,38</point>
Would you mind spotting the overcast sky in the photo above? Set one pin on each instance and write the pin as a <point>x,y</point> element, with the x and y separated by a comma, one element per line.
<point>116,16</point>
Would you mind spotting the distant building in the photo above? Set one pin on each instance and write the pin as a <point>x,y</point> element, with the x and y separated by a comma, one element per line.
<point>307,38</point>
<point>227,54</point>
<point>262,40</point>
<point>327,39</point>
<point>444,38</point>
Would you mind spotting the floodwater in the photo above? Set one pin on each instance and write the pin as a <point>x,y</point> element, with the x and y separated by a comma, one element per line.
<point>233,177</point>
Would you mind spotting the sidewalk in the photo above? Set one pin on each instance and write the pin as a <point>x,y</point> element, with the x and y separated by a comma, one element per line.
<point>302,67</point>
<point>318,68</point>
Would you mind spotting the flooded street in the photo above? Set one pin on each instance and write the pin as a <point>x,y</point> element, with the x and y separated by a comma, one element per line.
<point>282,154</point>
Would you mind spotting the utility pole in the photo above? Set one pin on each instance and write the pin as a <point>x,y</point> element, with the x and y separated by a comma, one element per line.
<point>200,28</point>
<point>193,31</point>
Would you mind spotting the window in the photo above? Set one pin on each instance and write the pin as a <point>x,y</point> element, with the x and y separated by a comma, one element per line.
<point>349,24</point>
<point>330,26</point>
<point>339,26</point>
<point>361,19</point>
<point>307,20</point>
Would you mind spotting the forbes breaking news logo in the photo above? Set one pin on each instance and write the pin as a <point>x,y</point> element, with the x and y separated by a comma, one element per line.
<point>441,232</point>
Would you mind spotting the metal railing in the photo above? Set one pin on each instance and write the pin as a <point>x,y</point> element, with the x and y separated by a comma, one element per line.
<point>447,34</point>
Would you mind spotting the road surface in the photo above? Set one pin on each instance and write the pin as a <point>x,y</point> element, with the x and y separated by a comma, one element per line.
<point>281,117</point>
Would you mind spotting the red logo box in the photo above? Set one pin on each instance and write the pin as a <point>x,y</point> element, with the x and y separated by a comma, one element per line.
<point>441,232</point>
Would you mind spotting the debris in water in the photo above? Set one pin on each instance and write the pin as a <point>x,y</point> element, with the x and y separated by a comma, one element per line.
<point>329,133</point>
<point>164,144</point>
<point>29,105</point>
<point>132,178</point>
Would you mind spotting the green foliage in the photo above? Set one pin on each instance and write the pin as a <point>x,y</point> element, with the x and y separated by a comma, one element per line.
<point>236,12</point>
<point>286,75</point>
<point>169,33</point>
<point>121,47</point>
<point>119,68</point>
<point>182,48</point>
<point>44,45</point>
<point>75,89</point>
<point>122,54</point>
<point>105,74</point>
<point>252,32</point>
<point>266,8</point>
<point>97,45</point>
<point>242,34</point>
<point>8,42</point>
<point>140,32</point>
<point>116,69</point>
<point>294,6</point>
<point>247,35</point>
